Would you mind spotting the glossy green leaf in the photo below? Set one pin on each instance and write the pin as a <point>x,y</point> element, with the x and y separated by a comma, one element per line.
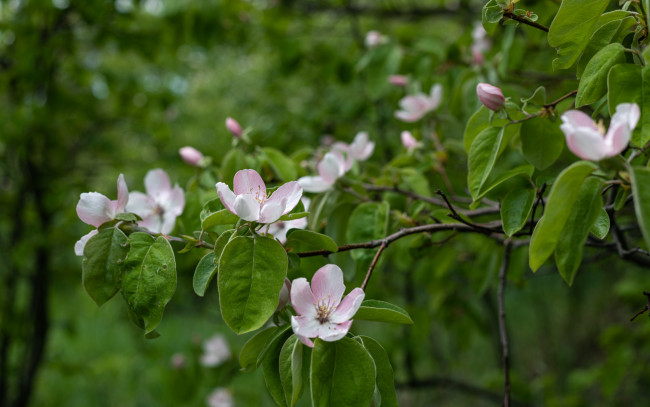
<point>623,86</point>
<point>292,370</point>
<point>641,193</point>
<point>251,350</point>
<point>612,31</point>
<point>482,156</point>
<point>600,229</point>
<point>385,382</point>
<point>524,170</point>
<point>271,370</point>
<point>516,208</point>
<point>149,280</point>
<point>491,15</point>
<point>563,195</point>
<point>643,137</point>
<point>479,121</point>
<point>204,272</point>
<point>381,311</point>
<point>593,84</point>
<point>299,240</point>
<point>572,27</point>
<point>222,217</point>
<point>103,256</point>
<point>570,245</point>
<point>342,374</point>
<point>251,274</point>
<point>282,166</point>
<point>542,142</point>
<point>369,221</point>
<point>293,216</point>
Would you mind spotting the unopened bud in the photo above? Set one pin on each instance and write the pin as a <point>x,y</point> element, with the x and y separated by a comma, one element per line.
<point>191,155</point>
<point>398,80</point>
<point>284,294</point>
<point>408,141</point>
<point>233,127</point>
<point>490,96</point>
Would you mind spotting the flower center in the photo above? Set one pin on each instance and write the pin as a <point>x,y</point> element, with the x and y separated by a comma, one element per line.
<point>324,308</point>
<point>601,127</point>
<point>259,196</point>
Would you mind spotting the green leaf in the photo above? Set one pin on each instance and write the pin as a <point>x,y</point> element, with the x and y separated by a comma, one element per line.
<point>292,370</point>
<point>612,31</point>
<point>600,229</point>
<point>526,170</point>
<point>572,28</point>
<point>293,216</point>
<point>222,217</point>
<point>593,84</point>
<point>381,311</point>
<point>416,181</point>
<point>253,347</point>
<point>479,121</point>
<point>542,142</point>
<point>299,240</point>
<point>342,374</point>
<point>645,110</point>
<point>149,280</point>
<point>282,165</point>
<point>271,369</point>
<point>103,256</point>
<point>641,193</point>
<point>563,195</point>
<point>491,15</point>
<point>251,273</point>
<point>127,217</point>
<point>623,86</point>
<point>482,156</point>
<point>234,160</point>
<point>369,221</point>
<point>570,245</point>
<point>515,209</point>
<point>204,272</point>
<point>385,382</point>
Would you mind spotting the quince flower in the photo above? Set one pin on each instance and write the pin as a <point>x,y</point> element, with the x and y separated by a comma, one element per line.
<point>96,209</point>
<point>490,96</point>
<point>321,313</point>
<point>233,127</point>
<point>215,351</point>
<point>374,39</point>
<point>588,140</point>
<point>220,397</point>
<point>249,201</point>
<point>160,206</point>
<point>280,228</point>
<point>414,107</point>
<point>330,168</point>
<point>408,141</point>
<point>191,156</point>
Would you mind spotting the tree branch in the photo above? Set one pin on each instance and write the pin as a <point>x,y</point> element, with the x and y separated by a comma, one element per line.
<point>372,265</point>
<point>524,20</point>
<point>503,333</point>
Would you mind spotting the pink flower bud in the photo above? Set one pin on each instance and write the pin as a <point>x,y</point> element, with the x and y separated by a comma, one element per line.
<point>191,155</point>
<point>233,127</point>
<point>398,80</point>
<point>490,96</point>
<point>408,141</point>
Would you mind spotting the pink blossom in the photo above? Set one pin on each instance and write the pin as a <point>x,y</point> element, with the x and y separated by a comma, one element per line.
<point>588,140</point>
<point>279,229</point>
<point>191,155</point>
<point>178,361</point>
<point>374,39</point>
<point>233,127</point>
<point>284,294</point>
<point>249,201</point>
<point>398,80</point>
<point>215,351</point>
<point>480,44</point>
<point>414,107</point>
<point>321,313</point>
<point>330,168</point>
<point>160,206</point>
<point>220,397</point>
<point>408,141</point>
<point>96,209</point>
<point>490,96</point>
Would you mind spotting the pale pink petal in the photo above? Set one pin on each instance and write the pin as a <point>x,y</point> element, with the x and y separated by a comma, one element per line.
<point>314,184</point>
<point>94,209</point>
<point>348,307</point>
<point>249,182</point>
<point>167,223</point>
<point>305,341</point>
<point>329,168</point>
<point>247,207</point>
<point>330,332</point>
<point>271,211</point>
<point>415,103</point>
<point>175,201</point>
<point>367,151</point>
<point>233,127</point>
<point>490,96</point>
<point>408,117</point>
<point>576,118</point>
<point>361,148</point>
<point>302,299</point>
<point>283,298</point>
<point>157,182</point>
<point>587,144</point>
<point>191,155</point>
<point>306,326</point>
<point>327,284</point>
<point>617,138</point>
<point>290,193</point>
<point>408,141</point>
<point>81,243</point>
<point>140,204</point>
<point>627,113</point>
<point>122,194</point>
<point>435,96</point>
<point>226,196</point>
<point>153,223</point>
<point>339,145</point>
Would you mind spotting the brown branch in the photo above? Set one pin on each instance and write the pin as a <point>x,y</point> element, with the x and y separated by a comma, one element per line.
<point>524,20</point>
<point>455,215</point>
<point>556,102</point>
<point>503,333</point>
<point>372,265</point>
<point>646,308</point>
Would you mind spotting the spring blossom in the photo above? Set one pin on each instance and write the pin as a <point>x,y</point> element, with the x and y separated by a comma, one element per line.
<point>321,313</point>
<point>588,140</point>
<point>490,96</point>
<point>408,141</point>
<point>160,206</point>
<point>191,156</point>
<point>215,351</point>
<point>233,127</point>
<point>414,107</point>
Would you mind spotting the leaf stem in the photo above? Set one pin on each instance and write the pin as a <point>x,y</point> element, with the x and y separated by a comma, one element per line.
<point>524,20</point>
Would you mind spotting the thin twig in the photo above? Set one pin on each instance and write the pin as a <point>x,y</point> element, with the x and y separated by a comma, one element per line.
<point>455,215</point>
<point>540,194</point>
<point>503,333</point>
<point>646,308</point>
<point>556,102</point>
<point>372,265</point>
<point>524,20</point>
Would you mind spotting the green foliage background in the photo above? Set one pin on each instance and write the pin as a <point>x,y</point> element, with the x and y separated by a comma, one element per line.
<point>95,88</point>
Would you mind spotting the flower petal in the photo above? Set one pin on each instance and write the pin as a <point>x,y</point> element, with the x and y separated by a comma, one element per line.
<point>175,201</point>
<point>290,193</point>
<point>307,326</point>
<point>586,143</point>
<point>314,184</point>
<point>627,113</point>
<point>408,117</point>
<point>153,223</point>
<point>576,118</point>
<point>305,341</point>
<point>330,332</point>
<point>140,204</point>
<point>81,243</point>
<point>617,138</point>
<point>348,307</point>
<point>435,96</point>
<point>327,283</point>
<point>302,299</point>
<point>330,167</point>
<point>249,182</point>
<point>226,196</point>
<point>157,182</point>
<point>271,211</point>
<point>94,209</point>
<point>247,207</point>
<point>361,148</point>
<point>122,194</point>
